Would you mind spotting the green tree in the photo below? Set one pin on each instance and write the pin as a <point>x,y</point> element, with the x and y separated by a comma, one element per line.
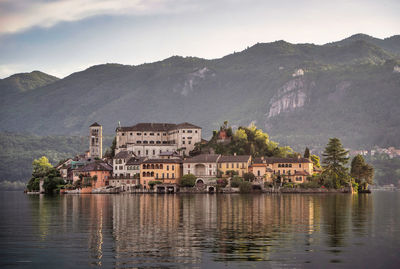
<point>316,161</point>
<point>307,153</point>
<point>245,187</point>
<point>188,180</point>
<point>40,169</point>
<point>249,177</point>
<point>335,159</point>
<point>362,172</point>
<point>154,182</point>
<point>110,153</point>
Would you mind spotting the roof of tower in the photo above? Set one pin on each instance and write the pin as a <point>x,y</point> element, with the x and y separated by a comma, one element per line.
<point>95,125</point>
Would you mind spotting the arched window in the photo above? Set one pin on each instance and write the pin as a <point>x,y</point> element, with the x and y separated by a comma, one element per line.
<point>144,174</point>
<point>152,174</point>
<point>152,166</point>
<point>161,166</point>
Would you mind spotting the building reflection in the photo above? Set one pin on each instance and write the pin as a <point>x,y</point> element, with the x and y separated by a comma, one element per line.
<point>171,230</point>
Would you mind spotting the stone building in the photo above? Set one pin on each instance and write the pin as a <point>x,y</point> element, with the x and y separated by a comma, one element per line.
<point>168,171</point>
<point>96,141</point>
<point>237,163</point>
<point>152,139</point>
<point>203,166</point>
<point>293,169</point>
<point>119,163</point>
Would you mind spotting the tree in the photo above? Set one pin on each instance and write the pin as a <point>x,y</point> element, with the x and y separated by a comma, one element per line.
<point>188,180</point>
<point>307,153</point>
<point>40,169</point>
<point>334,164</point>
<point>110,153</point>
<point>245,187</point>
<point>249,177</point>
<point>362,172</point>
<point>154,182</point>
<point>316,161</point>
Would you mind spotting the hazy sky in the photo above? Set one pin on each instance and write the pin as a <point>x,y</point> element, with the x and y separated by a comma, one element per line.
<point>60,37</point>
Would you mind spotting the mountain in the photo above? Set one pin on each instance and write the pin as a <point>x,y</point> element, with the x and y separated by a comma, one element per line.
<point>301,94</point>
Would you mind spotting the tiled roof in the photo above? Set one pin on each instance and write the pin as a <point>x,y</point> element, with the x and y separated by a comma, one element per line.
<point>203,158</point>
<point>123,154</point>
<point>272,160</point>
<point>95,125</point>
<point>301,173</point>
<point>96,166</point>
<point>157,127</point>
<point>135,160</point>
<point>234,158</point>
<point>163,161</point>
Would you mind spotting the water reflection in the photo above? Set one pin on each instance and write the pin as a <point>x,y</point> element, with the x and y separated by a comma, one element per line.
<point>197,230</point>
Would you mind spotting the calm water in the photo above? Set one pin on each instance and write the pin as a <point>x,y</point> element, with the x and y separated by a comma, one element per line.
<point>200,231</point>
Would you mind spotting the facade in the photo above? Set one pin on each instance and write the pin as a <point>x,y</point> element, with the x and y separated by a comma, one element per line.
<point>204,165</point>
<point>131,178</point>
<point>294,169</point>
<point>96,174</point>
<point>96,141</point>
<point>168,171</point>
<point>152,139</point>
<point>261,172</point>
<point>119,163</point>
<point>238,163</point>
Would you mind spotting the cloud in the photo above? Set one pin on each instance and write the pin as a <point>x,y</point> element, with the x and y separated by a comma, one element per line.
<point>20,15</point>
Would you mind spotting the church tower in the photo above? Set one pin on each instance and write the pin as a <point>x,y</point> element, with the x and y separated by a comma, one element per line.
<point>96,140</point>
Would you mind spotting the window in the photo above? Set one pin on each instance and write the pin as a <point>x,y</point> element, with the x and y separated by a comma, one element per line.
<point>290,165</point>
<point>283,171</point>
<point>158,133</point>
<point>123,134</point>
<point>156,175</point>
<point>173,175</point>
<point>233,165</point>
<point>138,152</point>
<point>139,142</point>
<point>210,165</point>
<point>189,131</point>
<point>138,133</point>
<point>131,134</point>
<point>120,167</point>
<point>154,152</point>
<point>237,165</point>
<point>145,134</point>
<point>195,131</point>
<point>158,142</point>
<point>188,171</point>
<point>190,142</point>
<point>162,175</point>
<point>147,152</point>
<point>164,134</point>
<point>183,131</point>
<point>167,175</point>
<point>183,137</point>
<point>116,167</point>
<point>188,165</point>
<point>300,165</point>
<point>151,133</point>
<point>167,167</point>
<point>189,137</point>
<point>258,173</point>
<point>183,142</point>
<point>173,167</point>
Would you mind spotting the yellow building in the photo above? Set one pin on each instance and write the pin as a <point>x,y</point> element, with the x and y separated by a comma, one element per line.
<point>293,169</point>
<point>168,171</point>
<point>261,172</point>
<point>238,163</point>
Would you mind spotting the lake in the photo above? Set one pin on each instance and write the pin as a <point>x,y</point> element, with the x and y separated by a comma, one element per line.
<point>200,231</point>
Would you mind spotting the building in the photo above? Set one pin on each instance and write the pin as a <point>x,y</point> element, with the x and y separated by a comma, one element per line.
<point>152,139</point>
<point>203,165</point>
<point>119,163</point>
<point>96,141</point>
<point>96,174</point>
<point>261,171</point>
<point>293,169</point>
<point>168,171</point>
<point>131,177</point>
<point>237,163</point>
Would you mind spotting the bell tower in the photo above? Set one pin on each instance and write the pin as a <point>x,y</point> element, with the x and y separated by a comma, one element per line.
<point>96,140</point>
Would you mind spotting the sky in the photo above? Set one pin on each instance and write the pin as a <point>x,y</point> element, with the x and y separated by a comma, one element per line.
<point>60,37</point>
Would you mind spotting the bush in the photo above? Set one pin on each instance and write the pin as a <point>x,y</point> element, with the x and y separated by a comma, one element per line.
<point>249,177</point>
<point>154,182</point>
<point>188,180</point>
<point>222,182</point>
<point>310,185</point>
<point>268,185</point>
<point>288,185</point>
<point>235,182</point>
<point>245,186</point>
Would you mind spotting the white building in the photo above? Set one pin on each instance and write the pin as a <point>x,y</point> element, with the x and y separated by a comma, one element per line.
<point>152,139</point>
